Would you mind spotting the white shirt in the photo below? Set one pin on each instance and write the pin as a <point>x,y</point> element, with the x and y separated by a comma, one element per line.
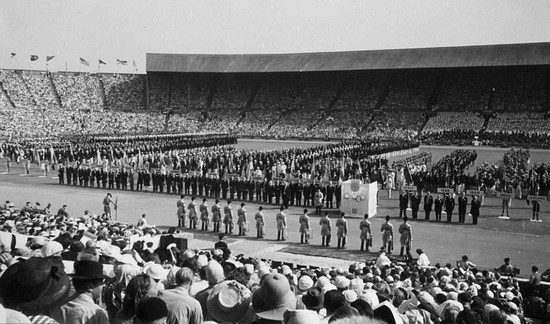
<point>423,260</point>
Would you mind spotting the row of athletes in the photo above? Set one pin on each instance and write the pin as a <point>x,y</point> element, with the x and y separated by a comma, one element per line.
<point>293,193</point>
<point>194,213</point>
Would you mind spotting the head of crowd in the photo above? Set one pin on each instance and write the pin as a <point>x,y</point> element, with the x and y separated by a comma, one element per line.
<point>64,269</point>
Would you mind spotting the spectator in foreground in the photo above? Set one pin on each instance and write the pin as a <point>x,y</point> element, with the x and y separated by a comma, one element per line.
<point>87,281</point>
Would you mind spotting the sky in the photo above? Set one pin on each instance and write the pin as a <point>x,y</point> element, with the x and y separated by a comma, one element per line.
<point>128,29</point>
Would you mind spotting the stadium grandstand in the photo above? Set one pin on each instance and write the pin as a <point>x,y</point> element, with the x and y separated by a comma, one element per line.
<point>499,93</point>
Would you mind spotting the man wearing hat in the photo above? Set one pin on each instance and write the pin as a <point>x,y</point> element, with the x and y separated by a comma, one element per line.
<point>229,301</point>
<point>366,234</point>
<point>107,201</point>
<point>273,298</point>
<point>342,225</point>
<point>35,286</point>
<point>405,230</point>
<point>304,228</point>
<point>228,218</point>
<point>87,280</point>
<point>180,204</point>
<point>387,235</point>
<point>326,228</point>
<point>216,215</point>
<point>260,222</point>
<point>182,308</point>
<point>242,220</point>
<point>281,224</point>
<point>192,207</point>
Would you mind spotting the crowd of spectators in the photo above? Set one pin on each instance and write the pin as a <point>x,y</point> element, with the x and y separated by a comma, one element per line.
<point>466,90</point>
<point>389,125</point>
<point>110,272</point>
<point>448,127</point>
<point>123,91</point>
<point>13,83</point>
<point>40,87</point>
<point>410,91</point>
<point>285,106</point>
<point>524,128</point>
<point>78,90</point>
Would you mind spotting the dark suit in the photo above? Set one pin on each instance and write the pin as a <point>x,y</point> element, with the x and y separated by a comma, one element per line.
<point>438,209</point>
<point>428,203</point>
<point>449,207</point>
<point>403,204</point>
<point>474,210</point>
<point>462,205</point>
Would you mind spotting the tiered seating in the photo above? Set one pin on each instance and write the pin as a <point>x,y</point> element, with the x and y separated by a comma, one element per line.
<point>78,90</point>
<point>124,91</point>
<point>39,86</point>
<point>13,83</point>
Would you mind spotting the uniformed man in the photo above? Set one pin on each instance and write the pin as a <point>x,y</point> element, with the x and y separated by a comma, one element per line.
<point>415,204</point>
<point>428,204</point>
<point>387,235</point>
<point>319,197</point>
<point>192,208</point>
<point>228,217</point>
<point>61,174</point>
<point>260,223</point>
<point>403,204</point>
<point>216,216</point>
<point>462,206</point>
<point>107,201</point>
<point>205,220</point>
<point>405,230</point>
<point>326,229</point>
<point>304,228</point>
<point>438,208</point>
<point>330,194</point>
<point>242,221</point>
<point>281,224</point>
<point>342,225</point>
<point>366,234</point>
<point>181,211</point>
<point>449,207</point>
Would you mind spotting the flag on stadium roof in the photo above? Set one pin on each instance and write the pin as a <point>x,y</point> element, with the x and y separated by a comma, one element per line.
<point>34,58</point>
<point>135,66</point>
<point>83,61</point>
<point>13,55</point>
<point>49,58</point>
<point>100,61</point>
<point>121,62</point>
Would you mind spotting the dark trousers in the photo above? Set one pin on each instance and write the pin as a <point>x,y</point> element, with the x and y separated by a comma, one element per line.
<point>428,212</point>
<point>461,216</point>
<point>402,211</point>
<point>438,216</point>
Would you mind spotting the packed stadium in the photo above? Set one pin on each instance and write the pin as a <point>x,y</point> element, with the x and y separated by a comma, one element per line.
<point>171,164</point>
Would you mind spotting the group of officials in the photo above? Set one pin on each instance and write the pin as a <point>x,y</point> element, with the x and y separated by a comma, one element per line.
<point>441,204</point>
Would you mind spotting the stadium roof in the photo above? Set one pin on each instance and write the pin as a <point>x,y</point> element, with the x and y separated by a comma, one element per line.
<point>441,57</point>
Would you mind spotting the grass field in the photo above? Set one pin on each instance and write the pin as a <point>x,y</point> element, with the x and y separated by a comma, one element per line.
<point>486,244</point>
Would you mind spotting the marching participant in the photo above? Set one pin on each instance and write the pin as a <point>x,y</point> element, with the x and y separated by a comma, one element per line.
<point>366,234</point>
<point>203,208</point>
<point>181,211</point>
<point>342,233</point>
<point>405,230</point>
<point>326,228</point>
<point>192,207</point>
<point>216,216</point>
<point>387,235</point>
<point>304,228</point>
<point>281,224</point>
<point>228,217</point>
<point>241,220</point>
<point>260,223</point>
